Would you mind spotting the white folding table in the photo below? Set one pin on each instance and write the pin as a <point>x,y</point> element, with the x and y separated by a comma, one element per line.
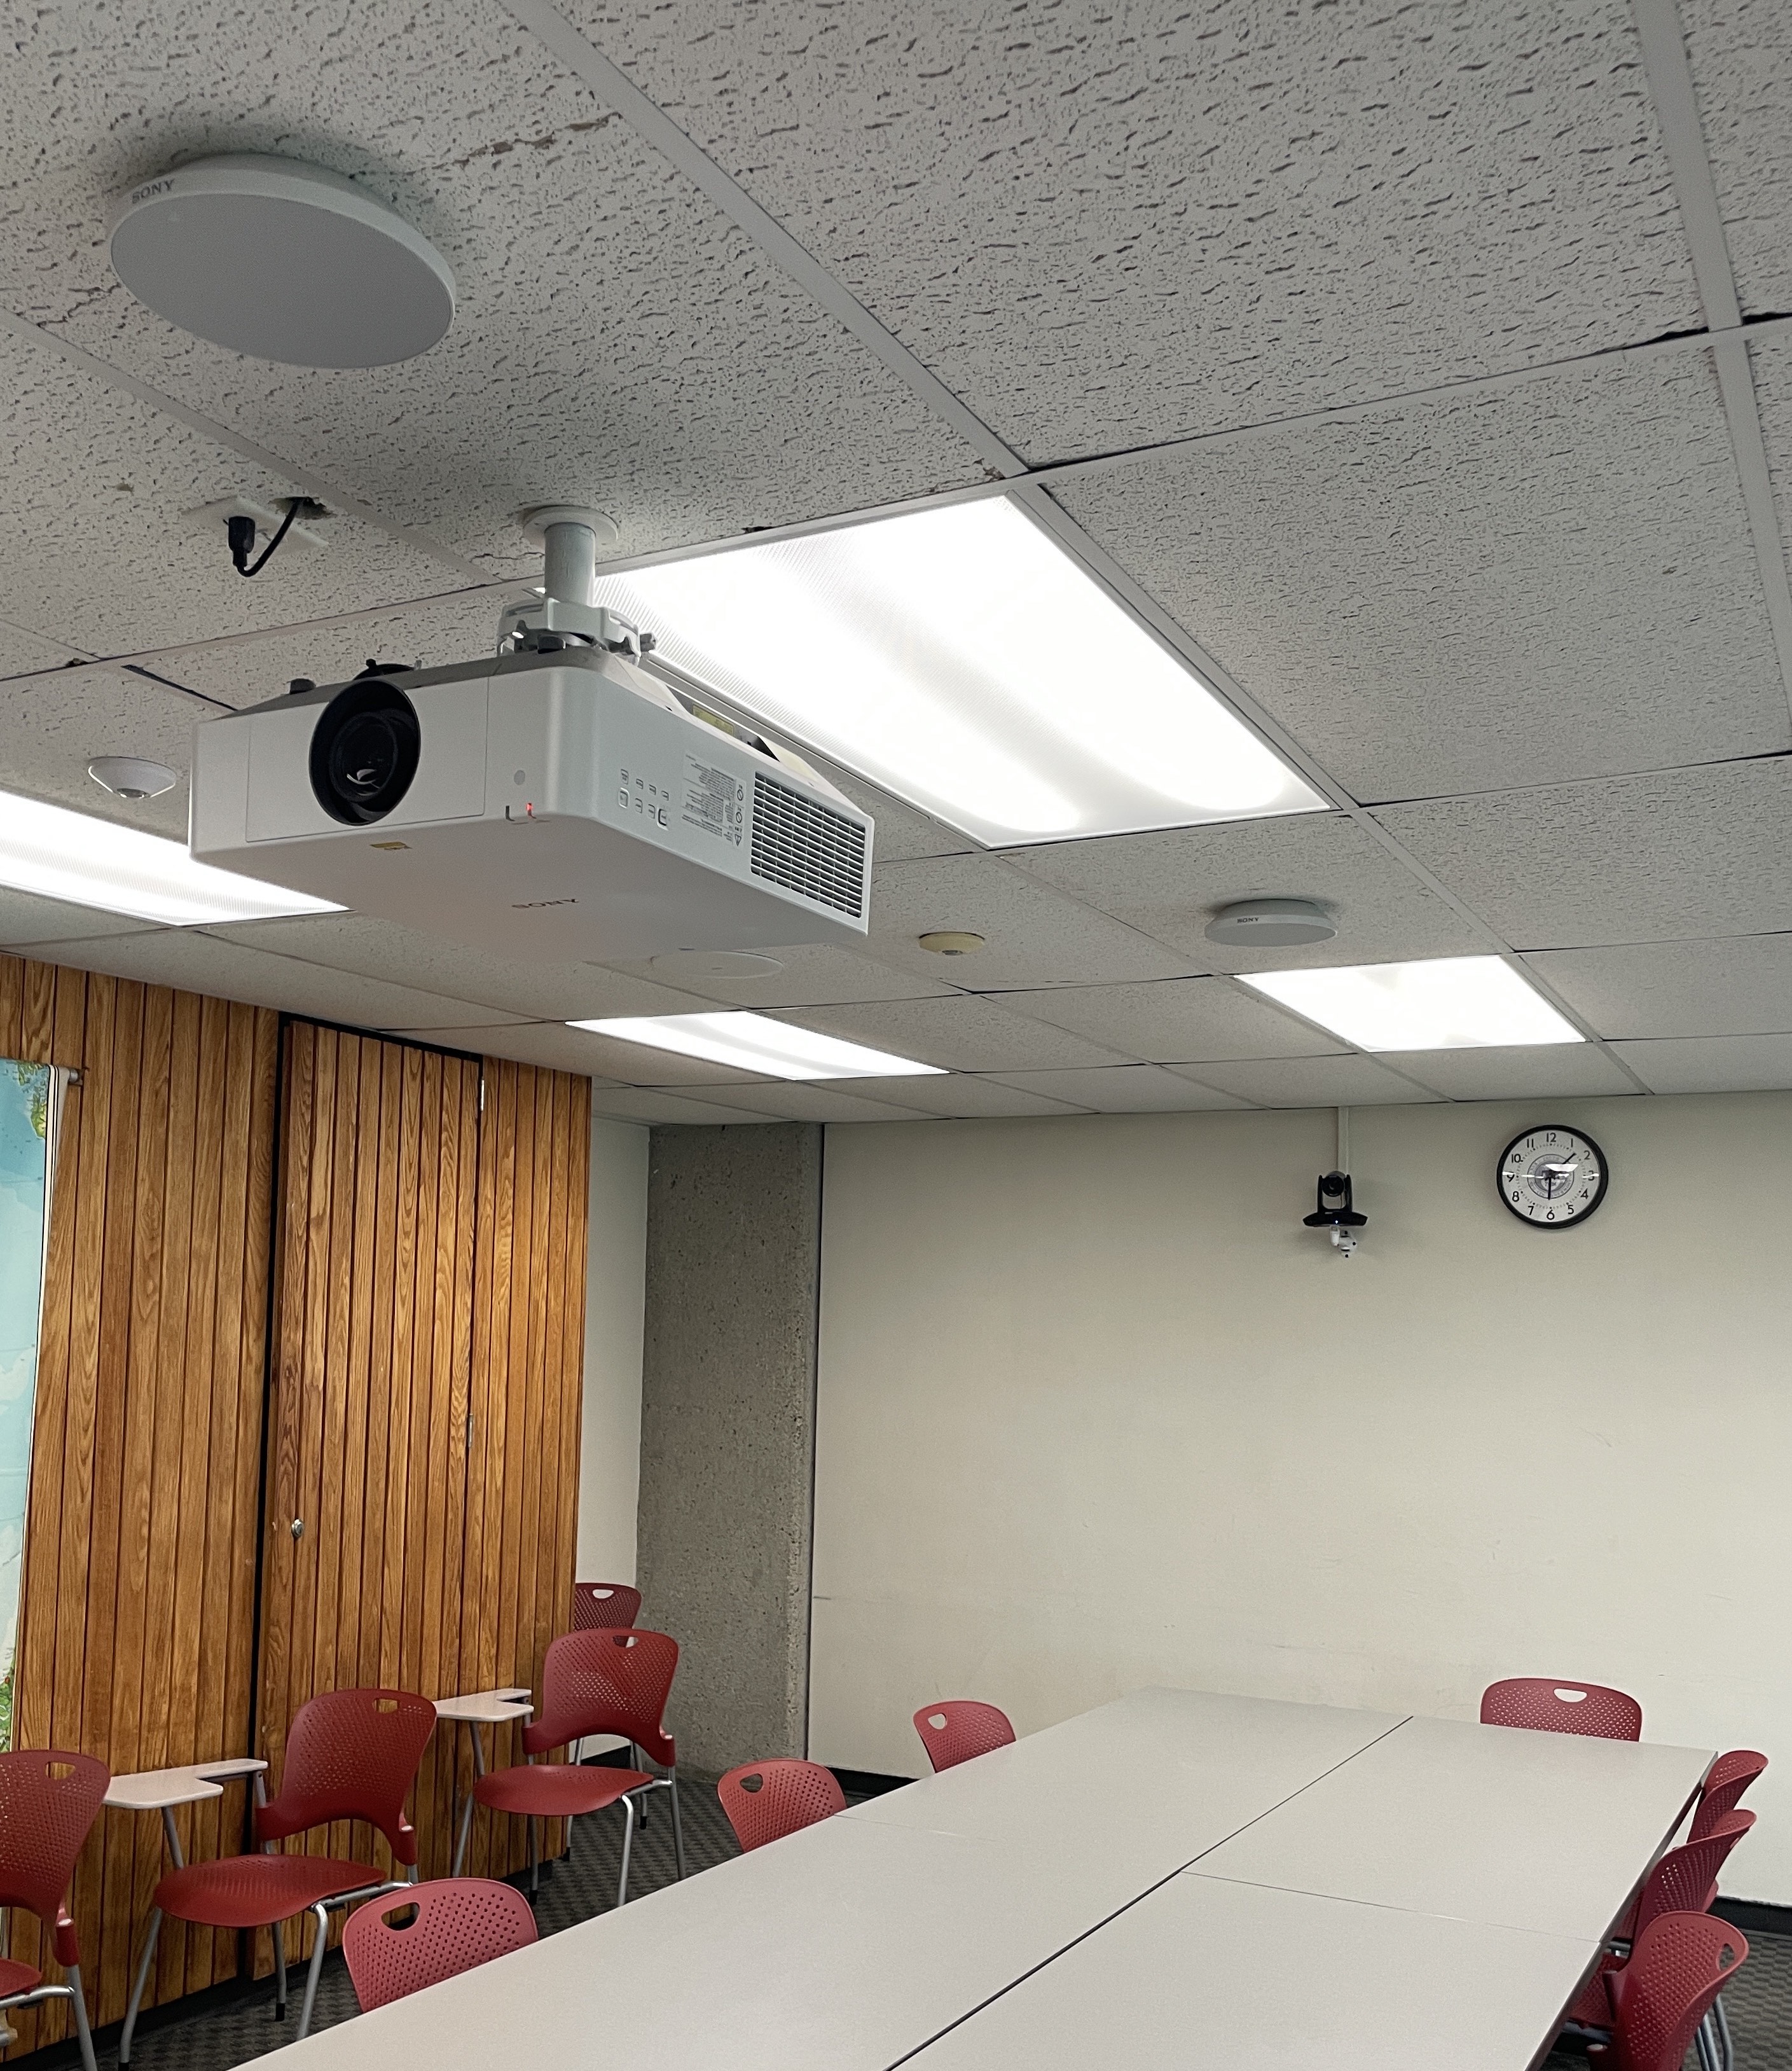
<point>1047,1905</point>
<point>162,1789</point>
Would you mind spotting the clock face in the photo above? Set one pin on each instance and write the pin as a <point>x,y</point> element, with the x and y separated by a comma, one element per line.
<point>1553,1178</point>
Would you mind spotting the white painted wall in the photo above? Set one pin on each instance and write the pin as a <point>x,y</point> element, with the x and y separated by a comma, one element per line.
<point>1096,1411</point>
<point>616,1278</point>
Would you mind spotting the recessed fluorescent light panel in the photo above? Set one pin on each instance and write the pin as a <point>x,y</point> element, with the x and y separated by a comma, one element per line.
<point>1452,1004</point>
<point>755,1043</point>
<point>88,862</point>
<point>960,658</point>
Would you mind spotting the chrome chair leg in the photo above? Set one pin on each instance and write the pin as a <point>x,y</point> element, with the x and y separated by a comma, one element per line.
<point>627,1845</point>
<point>82,2031</point>
<point>678,1824</point>
<point>1720,2020</point>
<point>278,1931</point>
<point>320,1913</point>
<point>1703,2037</point>
<point>535,1860</point>
<point>130,2027</point>
<point>460,1841</point>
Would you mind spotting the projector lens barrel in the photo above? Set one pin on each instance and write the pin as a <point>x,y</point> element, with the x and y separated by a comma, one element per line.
<point>364,752</point>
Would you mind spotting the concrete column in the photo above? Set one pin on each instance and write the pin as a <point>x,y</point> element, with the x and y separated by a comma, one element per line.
<point>727,1431</point>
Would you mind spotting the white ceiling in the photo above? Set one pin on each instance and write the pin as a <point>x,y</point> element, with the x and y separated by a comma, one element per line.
<point>1421,376</point>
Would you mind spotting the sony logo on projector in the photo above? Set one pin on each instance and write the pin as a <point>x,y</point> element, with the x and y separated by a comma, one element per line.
<point>554,800</point>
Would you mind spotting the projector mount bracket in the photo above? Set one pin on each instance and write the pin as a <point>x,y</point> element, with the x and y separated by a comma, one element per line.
<point>563,615</point>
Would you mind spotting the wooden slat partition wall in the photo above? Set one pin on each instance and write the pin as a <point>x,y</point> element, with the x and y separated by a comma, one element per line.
<point>528,1359</point>
<point>431,1286</point>
<point>137,1604</point>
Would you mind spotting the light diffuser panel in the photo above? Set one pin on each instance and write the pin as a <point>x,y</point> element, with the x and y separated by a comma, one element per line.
<point>755,1042</point>
<point>960,658</point>
<point>88,862</point>
<point>1445,1003</point>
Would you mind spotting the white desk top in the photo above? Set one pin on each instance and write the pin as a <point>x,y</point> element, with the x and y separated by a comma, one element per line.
<point>841,1948</point>
<point>1200,1974</point>
<point>1141,1786</point>
<point>154,1790</point>
<point>486,1708</point>
<point>1547,1831</point>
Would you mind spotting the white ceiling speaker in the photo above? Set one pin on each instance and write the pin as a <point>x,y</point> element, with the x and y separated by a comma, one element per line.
<point>1271,924</point>
<point>716,963</point>
<point>130,776</point>
<point>951,941</point>
<point>283,261</point>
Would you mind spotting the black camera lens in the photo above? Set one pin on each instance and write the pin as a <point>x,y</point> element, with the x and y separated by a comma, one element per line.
<point>364,752</point>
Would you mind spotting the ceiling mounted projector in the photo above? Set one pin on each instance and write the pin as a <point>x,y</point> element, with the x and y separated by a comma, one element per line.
<point>283,261</point>
<point>1271,924</point>
<point>553,800</point>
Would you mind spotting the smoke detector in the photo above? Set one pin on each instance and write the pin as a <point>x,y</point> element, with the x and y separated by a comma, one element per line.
<point>1271,924</point>
<point>130,776</point>
<point>283,261</point>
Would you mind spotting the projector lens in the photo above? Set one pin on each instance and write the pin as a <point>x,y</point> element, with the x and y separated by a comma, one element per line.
<point>364,752</point>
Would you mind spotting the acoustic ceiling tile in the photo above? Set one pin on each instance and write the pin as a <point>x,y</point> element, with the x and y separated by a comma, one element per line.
<point>793,1101</point>
<point>961,1097</point>
<point>543,991</point>
<point>1170,885</point>
<point>662,1108</point>
<point>1465,594</point>
<point>1681,855</point>
<point>90,531</point>
<point>1711,1063</point>
<point>617,341</point>
<point>1122,1089</point>
<point>1742,986</point>
<point>1105,227</point>
<point>198,962</point>
<point>1740,52</point>
<point>1541,1071</point>
<point>1352,1081</point>
<point>52,726</point>
<point>1770,361</point>
<point>962,1033</point>
<point>813,974</point>
<point>25,918</point>
<point>1176,1021</point>
<point>431,632</point>
<point>1033,936</point>
<point>21,651</point>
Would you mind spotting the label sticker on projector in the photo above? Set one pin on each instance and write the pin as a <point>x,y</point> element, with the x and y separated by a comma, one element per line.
<point>713,800</point>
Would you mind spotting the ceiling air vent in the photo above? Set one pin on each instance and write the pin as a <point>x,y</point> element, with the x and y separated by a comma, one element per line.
<point>807,847</point>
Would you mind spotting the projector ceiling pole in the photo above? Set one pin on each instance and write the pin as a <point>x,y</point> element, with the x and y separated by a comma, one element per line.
<point>570,537</point>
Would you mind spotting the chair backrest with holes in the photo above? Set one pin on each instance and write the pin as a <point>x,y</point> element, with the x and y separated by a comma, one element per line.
<point>1725,1781</point>
<point>955,1730</point>
<point>766,1800</point>
<point>598,1606</point>
<point>351,1754</point>
<point>1541,1705</point>
<point>1685,1878</point>
<point>48,1803</point>
<point>609,1681</point>
<point>1680,1963</point>
<point>461,1923</point>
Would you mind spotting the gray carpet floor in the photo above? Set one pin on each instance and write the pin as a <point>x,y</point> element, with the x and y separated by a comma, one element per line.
<point>1760,2001</point>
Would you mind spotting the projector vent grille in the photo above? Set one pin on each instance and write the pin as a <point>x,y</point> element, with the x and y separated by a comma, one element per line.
<point>807,847</point>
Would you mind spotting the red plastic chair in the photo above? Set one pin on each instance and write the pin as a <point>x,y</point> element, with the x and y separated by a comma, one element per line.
<point>1684,1881</point>
<point>599,1606</point>
<point>1661,1997</point>
<point>1725,1781</point>
<point>461,1923</point>
<point>1542,1706</point>
<point>48,1803</point>
<point>960,1729</point>
<point>350,1754</point>
<point>603,1681</point>
<point>766,1800</point>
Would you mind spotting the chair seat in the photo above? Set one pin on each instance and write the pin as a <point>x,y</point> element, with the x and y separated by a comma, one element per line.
<point>257,1891</point>
<point>16,1978</point>
<point>555,1791</point>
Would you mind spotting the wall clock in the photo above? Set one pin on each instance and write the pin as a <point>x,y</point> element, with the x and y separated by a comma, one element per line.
<point>1552,1178</point>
